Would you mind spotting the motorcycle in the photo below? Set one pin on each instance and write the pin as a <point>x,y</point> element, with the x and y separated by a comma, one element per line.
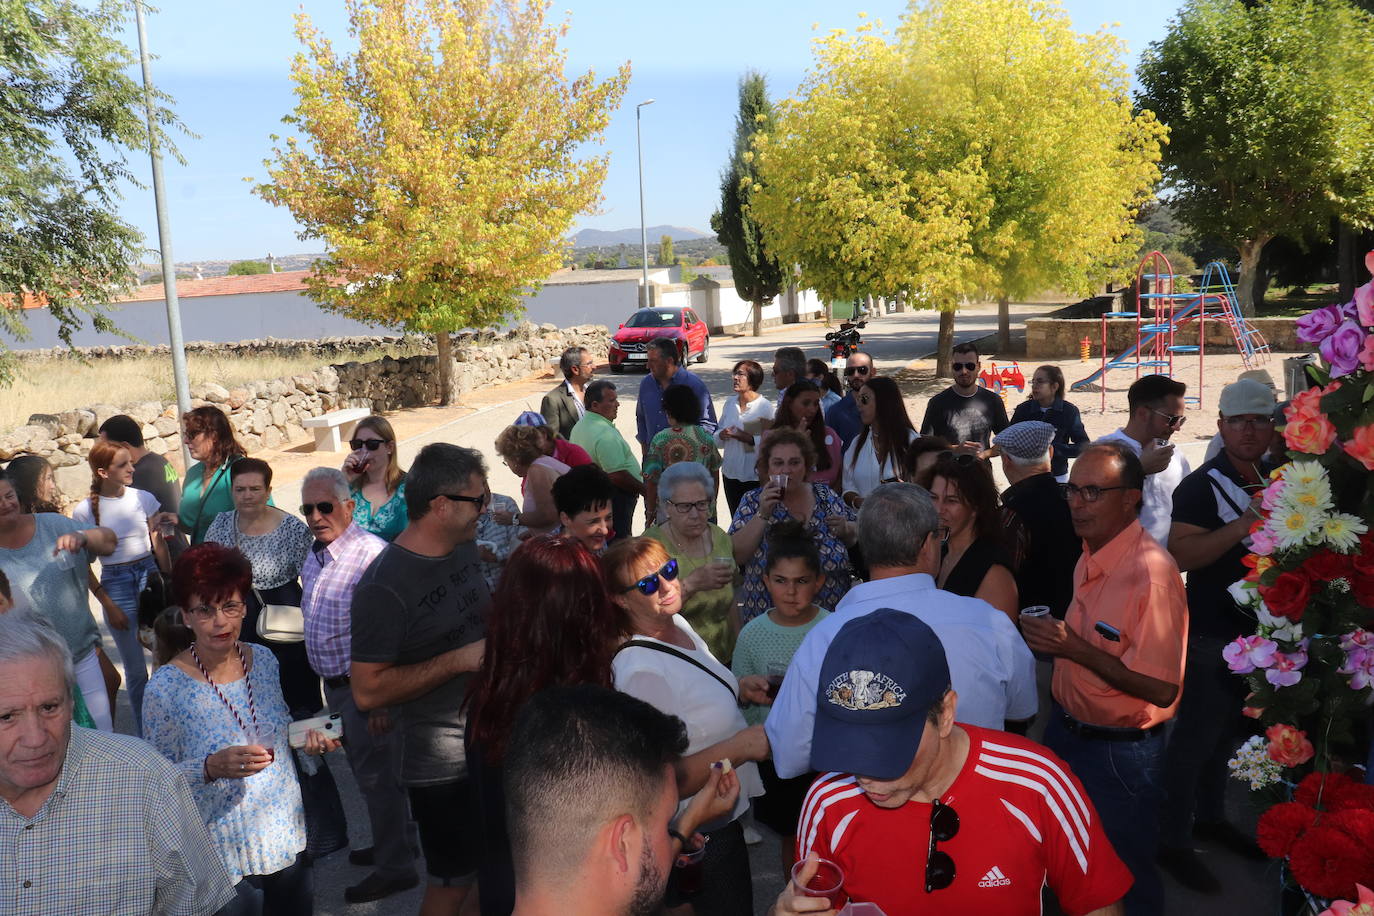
<point>846,341</point>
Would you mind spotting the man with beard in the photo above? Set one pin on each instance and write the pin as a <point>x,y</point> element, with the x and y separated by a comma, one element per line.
<point>964,413</point>
<point>591,794</point>
<point>843,417</point>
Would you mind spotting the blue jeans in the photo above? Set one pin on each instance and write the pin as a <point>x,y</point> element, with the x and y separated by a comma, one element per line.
<point>123,583</point>
<point>1124,779</point>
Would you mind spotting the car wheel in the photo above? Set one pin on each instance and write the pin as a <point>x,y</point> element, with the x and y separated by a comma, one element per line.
<point>684,354</point>
<point>705,351</point>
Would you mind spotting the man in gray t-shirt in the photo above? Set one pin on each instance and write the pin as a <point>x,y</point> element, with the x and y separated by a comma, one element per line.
<point>417,634</point>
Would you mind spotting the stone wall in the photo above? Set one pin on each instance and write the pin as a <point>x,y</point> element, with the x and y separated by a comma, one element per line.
<point>1059,338</point>
<point>268,414</point>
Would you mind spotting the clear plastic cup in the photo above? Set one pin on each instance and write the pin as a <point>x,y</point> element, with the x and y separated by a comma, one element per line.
<point>689,866</point>
<point>1036,610</point>
<point>827,882</point>
<point>780,480</point>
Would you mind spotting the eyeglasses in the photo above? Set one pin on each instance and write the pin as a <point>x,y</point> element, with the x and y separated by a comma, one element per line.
<point>960,367</point>
<point>1244,422</point>
<point>1175,420</point>
<point>944,825</point>
<point>370,444</point>
<point>1089,494</point>
<point>479,501</point>
<point>649,584</point>
<point>1041,381</point>
<point>700,505</point>
<point>231,609</point>
<point>324,509</point>
<point>856,370</point>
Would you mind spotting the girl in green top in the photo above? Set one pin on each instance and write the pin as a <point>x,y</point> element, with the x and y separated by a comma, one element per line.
<point>210,440</point>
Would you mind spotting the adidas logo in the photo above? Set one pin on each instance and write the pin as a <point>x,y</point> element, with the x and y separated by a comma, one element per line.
<point>994,878</point>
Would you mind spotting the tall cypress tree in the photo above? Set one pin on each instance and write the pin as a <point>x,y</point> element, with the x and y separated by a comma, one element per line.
<point>758,276</point>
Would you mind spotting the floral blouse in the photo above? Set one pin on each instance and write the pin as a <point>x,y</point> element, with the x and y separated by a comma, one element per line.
<point>257,824</point>
<point>387,521</point>
<point>277,556</point>
<point>753,595</point>
<point>682,443</point>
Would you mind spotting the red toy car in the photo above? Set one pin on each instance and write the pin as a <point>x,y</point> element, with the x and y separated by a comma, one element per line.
<point>630,343</point>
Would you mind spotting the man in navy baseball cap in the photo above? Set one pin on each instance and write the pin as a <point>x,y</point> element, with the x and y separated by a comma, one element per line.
<point>881,676</point>
<point>920,815</point>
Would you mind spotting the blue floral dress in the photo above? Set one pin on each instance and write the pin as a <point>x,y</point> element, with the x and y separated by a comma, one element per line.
<point>257,824</point>
<point>386,521</point>
<point>753,595</point>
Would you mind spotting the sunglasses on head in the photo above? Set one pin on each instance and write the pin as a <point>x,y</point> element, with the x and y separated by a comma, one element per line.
<point>649,584</point>
<point>944,825</point>
<point>960,367</point>
<point>856,370</point>
<point>325,508</point>
<point>370,444</point>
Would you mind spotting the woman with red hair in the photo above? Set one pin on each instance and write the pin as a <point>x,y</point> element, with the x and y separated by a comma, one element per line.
<point>216,711</point>
<point>557,627</point>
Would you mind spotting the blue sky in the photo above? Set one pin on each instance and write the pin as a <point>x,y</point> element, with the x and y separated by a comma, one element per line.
<point>227,66</point>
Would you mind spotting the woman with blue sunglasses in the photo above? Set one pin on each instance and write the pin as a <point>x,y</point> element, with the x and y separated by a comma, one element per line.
<point>665,663</point>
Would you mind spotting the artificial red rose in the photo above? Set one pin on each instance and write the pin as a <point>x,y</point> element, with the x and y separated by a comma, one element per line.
<point>1363,559</point>
<point>1362,587</point>
<point>1328,862</point>
<point>1325,565</point>
<point>1288,596</point>
<point>1281,826</point>
<point>1333,792</point>
<point>1288,746</point>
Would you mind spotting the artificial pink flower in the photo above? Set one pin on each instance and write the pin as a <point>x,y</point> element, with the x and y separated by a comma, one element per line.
<point>1287,667</point>
<point>1246,653</point>
<point>1272,494</point>
<point>1367,354</point>
<point>1362,906</point>
<point>1364,304</point>
<point>1359,667</point>
<point>1263,542</point>
<point>1361,446</point>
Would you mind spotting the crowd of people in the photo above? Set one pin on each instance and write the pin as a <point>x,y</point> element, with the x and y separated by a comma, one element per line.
<point>549,709</point>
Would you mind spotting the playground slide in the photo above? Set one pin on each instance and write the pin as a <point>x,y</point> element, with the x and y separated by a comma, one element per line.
<point>1120,360</point>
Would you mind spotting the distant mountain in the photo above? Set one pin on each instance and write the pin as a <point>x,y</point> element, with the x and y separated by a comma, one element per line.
<point>602,238</point>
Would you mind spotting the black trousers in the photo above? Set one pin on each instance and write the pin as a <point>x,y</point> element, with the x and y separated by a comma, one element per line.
<point>623,514</point>
<point>735,490</point>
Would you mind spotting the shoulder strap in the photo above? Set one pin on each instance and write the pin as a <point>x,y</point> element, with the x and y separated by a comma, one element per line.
<point>676,653</point>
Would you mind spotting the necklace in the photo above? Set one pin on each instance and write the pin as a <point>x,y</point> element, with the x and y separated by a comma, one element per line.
<point>252,707</point>
<point>705,535</point>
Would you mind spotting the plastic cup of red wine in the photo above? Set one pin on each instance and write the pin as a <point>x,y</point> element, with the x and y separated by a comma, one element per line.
<point>689,866</point>
<point>827,882</point>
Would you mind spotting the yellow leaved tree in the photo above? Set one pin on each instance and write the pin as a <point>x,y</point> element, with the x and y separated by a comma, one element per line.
<point>984,149</point>
<point>439,162</point>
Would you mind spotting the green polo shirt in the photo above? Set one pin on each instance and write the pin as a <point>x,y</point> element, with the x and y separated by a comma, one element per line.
<point>605,444</point>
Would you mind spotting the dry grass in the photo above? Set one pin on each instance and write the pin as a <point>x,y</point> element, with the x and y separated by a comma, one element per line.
<point>54,385</point>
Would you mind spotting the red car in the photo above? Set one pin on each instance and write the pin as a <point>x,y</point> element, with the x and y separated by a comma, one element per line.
<point>629,344</point>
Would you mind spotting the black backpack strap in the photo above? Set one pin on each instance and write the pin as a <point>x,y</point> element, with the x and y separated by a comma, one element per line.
<point>677,653</point>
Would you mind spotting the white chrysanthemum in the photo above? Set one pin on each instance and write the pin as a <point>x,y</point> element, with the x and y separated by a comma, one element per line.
<point>1310,490</point>
<point>1253,764</point>
<point>1295,525</point>
<point>1303,473</point>
<point>1343,531</point>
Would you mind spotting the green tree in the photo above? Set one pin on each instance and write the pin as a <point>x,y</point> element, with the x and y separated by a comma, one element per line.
<point>1267,107</point>
<point>758,276</point>
<point>1045,112</point>
<point>247,268</point>
<point>439,162</point>
<point>665,251</point>
<point>69,116</point>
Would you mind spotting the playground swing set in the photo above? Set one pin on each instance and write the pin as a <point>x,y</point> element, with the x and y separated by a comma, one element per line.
<point>1170,309</point>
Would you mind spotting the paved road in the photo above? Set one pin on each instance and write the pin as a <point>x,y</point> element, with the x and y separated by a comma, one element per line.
<point>894,341</point>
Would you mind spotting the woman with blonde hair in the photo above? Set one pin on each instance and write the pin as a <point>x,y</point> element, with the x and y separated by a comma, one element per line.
<point>664,662</point>
<point>131,514</point>
<point>522,450</point>
<point>210,440</point>
<point>375,479</point>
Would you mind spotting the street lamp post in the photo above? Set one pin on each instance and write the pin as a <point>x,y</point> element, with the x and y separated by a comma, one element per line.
<point>643,230</point>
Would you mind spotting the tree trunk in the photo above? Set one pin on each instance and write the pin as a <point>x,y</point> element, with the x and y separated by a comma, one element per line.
<point>758,317</point>
<point>901,302</point>
<point>1345,261</point>
<point>445,374</point>
<point>1003,324</point>
<point>1249,273</point>
<point>826,306</point>
<point>945,344</point>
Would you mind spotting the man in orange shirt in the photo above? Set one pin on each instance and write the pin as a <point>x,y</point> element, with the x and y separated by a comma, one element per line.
<point>1119,658</point>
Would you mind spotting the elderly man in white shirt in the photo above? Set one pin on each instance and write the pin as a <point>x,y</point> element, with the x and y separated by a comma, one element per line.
<point>992,670</point>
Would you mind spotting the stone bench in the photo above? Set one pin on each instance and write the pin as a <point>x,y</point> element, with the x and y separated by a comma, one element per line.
<point>330,428</point>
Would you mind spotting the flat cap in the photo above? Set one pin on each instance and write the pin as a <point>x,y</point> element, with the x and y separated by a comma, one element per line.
<point>1027,439</point>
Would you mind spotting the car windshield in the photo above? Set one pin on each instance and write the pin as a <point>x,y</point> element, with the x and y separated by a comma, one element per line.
<point>654,318</point>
